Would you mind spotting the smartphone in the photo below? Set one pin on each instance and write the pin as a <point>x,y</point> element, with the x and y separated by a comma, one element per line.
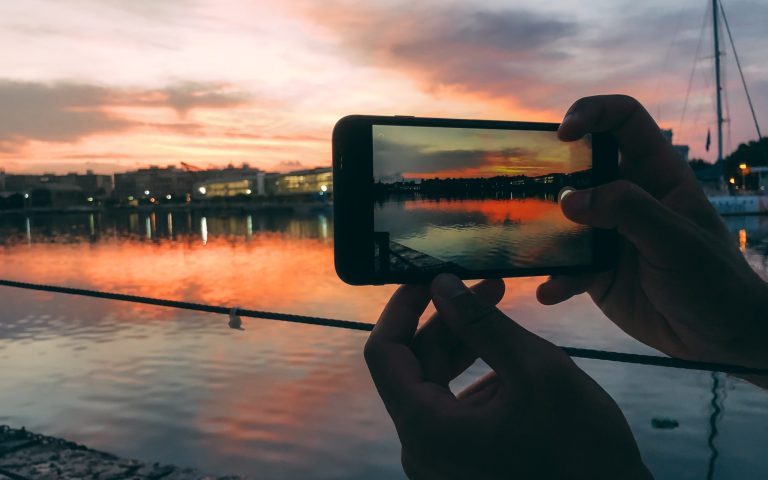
<point>414,197</point>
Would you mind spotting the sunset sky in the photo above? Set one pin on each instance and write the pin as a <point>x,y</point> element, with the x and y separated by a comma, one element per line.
<point>401,152</point>
<point>113,85</point>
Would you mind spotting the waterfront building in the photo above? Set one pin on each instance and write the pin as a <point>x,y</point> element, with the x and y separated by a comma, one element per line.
<point>53,191</point>
<point>156,182</point>
<point>303,182</point>
<point>152,182</point>
<point>252,185</point>
<point>90,184</point>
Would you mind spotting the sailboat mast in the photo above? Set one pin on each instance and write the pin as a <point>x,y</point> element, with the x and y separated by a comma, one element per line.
<point>718,86</point>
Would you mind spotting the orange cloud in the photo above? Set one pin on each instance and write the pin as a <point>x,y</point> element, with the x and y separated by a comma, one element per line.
<point>66,112</point>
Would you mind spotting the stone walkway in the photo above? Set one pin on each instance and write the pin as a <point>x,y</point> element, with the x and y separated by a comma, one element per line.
<point>29,456</point>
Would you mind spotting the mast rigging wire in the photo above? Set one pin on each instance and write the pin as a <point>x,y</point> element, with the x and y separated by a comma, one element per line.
<point>693,70</point>
<point>741,73</point>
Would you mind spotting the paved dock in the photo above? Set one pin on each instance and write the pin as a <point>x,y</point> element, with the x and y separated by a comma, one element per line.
<point>29,456</point>
<point>405,259</point>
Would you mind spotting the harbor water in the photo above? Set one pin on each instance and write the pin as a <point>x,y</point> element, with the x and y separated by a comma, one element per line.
<point>281,400</point>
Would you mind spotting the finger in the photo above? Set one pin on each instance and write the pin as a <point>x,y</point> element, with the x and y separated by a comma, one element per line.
<point>443,357</point>
<point>559,288</point>
<point>503,344</point>
<point>635,214</point>
<point>394,368</point>
<point>482,390</point>
<point>647,156</point>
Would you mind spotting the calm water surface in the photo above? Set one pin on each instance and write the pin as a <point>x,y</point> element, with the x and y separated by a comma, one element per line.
<point>486,234</point>
<point>281,400</point>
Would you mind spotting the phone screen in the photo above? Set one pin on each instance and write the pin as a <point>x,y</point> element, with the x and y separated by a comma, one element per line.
<point>467,199</point>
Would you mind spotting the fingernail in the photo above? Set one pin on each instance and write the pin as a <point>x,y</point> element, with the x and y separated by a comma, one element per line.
<point>568,119</point>
<point>564,192</point>
<point>448,286</point>
<point>576,201</point>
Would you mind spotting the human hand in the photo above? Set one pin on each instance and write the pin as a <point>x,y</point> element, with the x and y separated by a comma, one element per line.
<point>536,415</point>
<point>681,285</point>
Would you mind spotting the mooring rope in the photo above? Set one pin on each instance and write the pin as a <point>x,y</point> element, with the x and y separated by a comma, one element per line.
<point>653,360</point>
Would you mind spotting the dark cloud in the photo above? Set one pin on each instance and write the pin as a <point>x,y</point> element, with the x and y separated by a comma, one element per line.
<point>391,160</point>
<point>68,111</point>
<point>186,96</point>
<point>518,57</point>
<point>491,52</point>
<point>54,113</point>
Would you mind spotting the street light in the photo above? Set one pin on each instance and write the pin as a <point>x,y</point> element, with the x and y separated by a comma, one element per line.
<point>743,171</point>
<point>202,190</point>
<point>146,192</point>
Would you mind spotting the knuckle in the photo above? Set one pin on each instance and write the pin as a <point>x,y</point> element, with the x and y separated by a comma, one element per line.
<point>481,316</point>
<point>621,194</point>
<point>628,101</point>
<point>372,350</point>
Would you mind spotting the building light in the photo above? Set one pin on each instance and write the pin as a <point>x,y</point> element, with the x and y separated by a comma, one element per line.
<point>130,198</point>
<point>743,166</point>
<point>26,195</point>
<point>168,197</point>
<point>732,181</point>
<point>248,191</point>
<point>152,200</point>
<point>90,199</point>
<point>146,192</point>
<point>323,188</point>
<point>202,190</point>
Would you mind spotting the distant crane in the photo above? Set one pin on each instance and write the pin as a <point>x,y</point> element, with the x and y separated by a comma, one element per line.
<point>190,168</point>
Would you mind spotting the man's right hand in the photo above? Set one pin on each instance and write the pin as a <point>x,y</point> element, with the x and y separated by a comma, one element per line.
<point>681,285</point>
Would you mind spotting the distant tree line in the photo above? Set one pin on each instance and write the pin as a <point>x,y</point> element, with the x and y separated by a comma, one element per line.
<point>492,187</point>
<point>751,154</point>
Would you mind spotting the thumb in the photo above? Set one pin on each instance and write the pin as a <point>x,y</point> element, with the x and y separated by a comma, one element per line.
<point>503,344</point>
<point>656,231</point>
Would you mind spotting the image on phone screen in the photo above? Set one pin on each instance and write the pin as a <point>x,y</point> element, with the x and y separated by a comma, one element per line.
<point>460,199</point>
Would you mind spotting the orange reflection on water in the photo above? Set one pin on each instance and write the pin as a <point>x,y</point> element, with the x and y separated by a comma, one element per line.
<point>275,384</point>
<point>272,271</point>
<point>495,211</point>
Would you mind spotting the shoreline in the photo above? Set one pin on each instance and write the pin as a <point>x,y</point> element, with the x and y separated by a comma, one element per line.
<point>298,207</point>
<point>25,456</point>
